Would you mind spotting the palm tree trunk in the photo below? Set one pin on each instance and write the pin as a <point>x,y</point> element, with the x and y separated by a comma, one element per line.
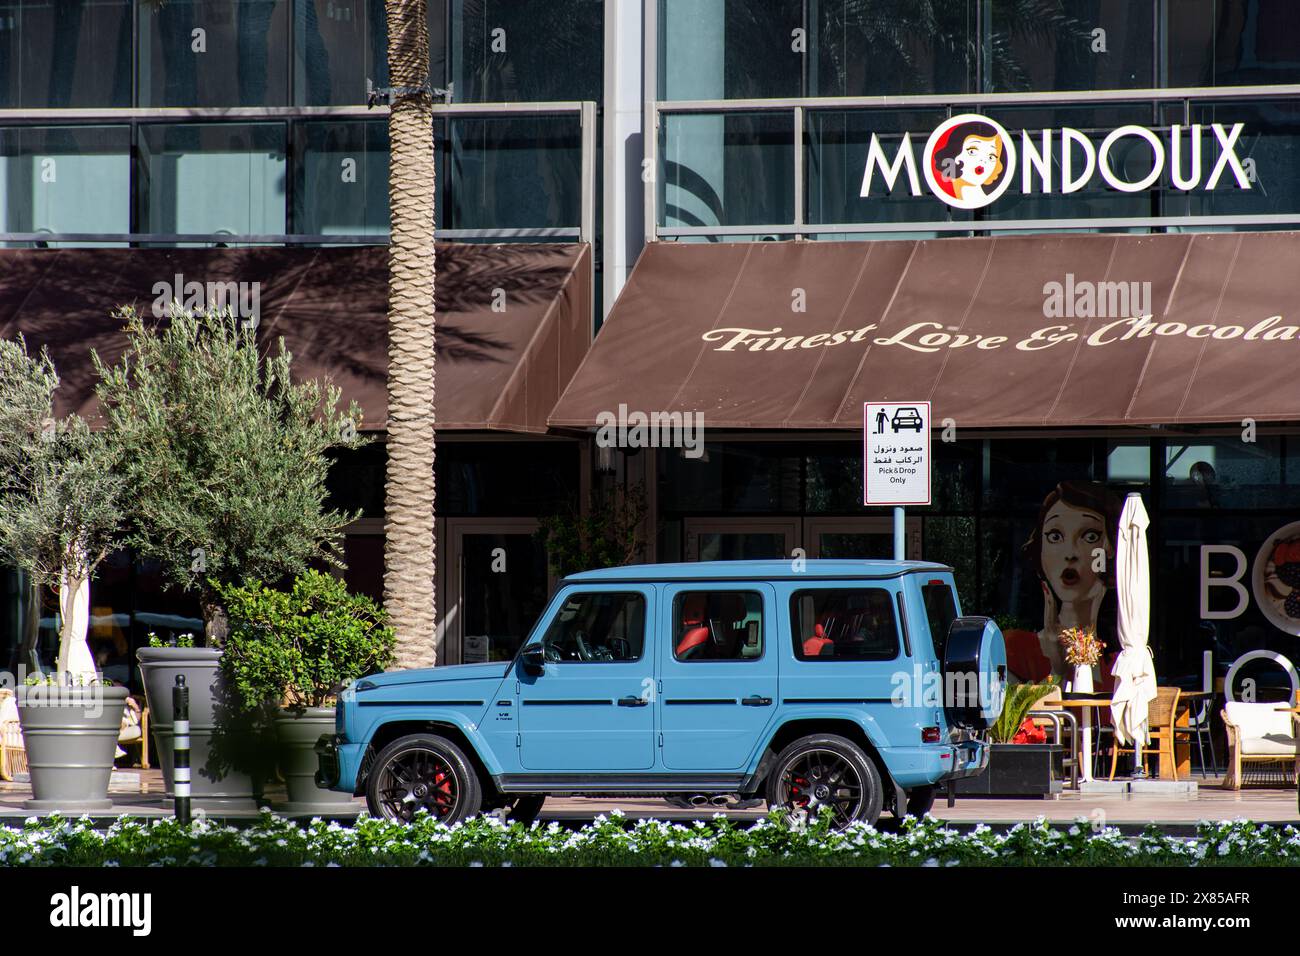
<point>409,547</point>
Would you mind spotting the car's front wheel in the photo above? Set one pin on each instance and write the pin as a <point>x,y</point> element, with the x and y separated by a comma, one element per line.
<point>423,771</point>
<point>826,773</point>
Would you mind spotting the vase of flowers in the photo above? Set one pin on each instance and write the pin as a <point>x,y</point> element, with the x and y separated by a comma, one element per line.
<point>1082,649</point>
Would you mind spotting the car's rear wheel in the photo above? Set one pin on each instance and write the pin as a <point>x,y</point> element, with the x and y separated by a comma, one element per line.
<point>423,771</point>
<point>826,773</point>
<point>920,800</point>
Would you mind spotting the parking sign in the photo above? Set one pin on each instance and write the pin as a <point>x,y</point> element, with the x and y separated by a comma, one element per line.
<point>896,453</point>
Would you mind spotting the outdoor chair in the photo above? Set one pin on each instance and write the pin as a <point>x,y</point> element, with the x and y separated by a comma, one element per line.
<point>135,729</point>
<point>1200,725</point>
<point>13,755</point>
<point>1259,733</point>
<point>1160,721</point>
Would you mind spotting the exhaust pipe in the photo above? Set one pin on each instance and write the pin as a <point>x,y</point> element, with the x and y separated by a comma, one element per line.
<point>699,800</point>
<point>721,801</point>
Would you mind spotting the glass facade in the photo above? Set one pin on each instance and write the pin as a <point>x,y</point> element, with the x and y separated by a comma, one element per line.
<point>989,498</point>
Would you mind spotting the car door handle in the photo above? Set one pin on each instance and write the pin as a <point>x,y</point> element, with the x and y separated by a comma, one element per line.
<point>757,702</point>
<point>632,702</point>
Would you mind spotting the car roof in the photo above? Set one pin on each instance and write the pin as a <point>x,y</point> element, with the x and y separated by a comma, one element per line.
<point>810,569</point>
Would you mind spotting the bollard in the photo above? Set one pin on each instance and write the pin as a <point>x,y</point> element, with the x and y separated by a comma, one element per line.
<point>181,750</point>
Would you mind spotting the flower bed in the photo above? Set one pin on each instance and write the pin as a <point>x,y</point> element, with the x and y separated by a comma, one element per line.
<point>616,841</point>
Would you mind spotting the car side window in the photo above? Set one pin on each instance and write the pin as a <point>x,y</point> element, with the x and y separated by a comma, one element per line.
<point>940,612</point>
<point>597,627</point>
<point>717,626</point>
<point>844,624</point>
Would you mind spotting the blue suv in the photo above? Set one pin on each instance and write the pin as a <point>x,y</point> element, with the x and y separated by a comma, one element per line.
<point>847,687</point>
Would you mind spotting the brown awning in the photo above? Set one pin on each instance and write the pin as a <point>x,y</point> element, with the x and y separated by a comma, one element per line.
<point>503,356</point>
<point>780,335</point>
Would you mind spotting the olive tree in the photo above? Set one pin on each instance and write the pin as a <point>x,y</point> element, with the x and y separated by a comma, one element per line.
<point>61,494</point>
<point>225,454</point>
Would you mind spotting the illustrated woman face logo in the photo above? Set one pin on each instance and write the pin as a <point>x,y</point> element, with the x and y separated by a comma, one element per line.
<point>969,161</point>
<point>1071,535</point>
<point>980,161</point>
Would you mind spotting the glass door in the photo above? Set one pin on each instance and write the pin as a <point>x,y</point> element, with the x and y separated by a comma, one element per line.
<point>496,583</point>
<point>859,537</point>
<point>739,539</point>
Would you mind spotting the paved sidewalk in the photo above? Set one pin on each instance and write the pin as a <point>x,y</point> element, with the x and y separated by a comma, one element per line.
<point>139,793</point>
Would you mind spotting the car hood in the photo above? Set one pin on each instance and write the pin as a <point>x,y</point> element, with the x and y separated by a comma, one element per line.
<point>434,675</point>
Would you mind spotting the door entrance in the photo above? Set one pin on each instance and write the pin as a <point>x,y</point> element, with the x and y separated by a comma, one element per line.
<point>496,583</point>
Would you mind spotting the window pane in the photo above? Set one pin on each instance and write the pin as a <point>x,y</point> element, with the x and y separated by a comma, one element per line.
<point>718,626</point>
<point>731,478</point>
<point>1056,45</point>
<point>837,149</point>
<point>205,53</point>
<point>729,49</point>
<point>1226,473</point>
<point>518,171</point>
<point>940,612</point>
<point>841,624</point>
<point>1233,42</point>
<point>882,47</point>
<point>65,179</point>
<point>506,51</point>
<point>1268,147</point>
<point>727,170</point>
<point>601,627</point>
<point>222,178</point>
<point>65,53</point>
<point>341,181</point>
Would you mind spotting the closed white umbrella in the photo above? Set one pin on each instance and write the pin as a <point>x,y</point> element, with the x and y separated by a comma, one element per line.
<point>1134,670</point>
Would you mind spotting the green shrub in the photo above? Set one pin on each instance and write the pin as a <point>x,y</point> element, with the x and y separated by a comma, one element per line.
<point>1020,700</point>
<point>297,649</point>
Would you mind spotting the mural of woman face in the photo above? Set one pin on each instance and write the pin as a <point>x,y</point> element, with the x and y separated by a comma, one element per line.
<point>979,159</point>
<point>1070,537</point>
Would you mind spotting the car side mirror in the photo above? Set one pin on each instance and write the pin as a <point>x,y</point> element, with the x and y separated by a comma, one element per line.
<point>533,659</point>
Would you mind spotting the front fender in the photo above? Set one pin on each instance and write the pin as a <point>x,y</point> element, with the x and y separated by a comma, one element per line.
<point>468,721</point>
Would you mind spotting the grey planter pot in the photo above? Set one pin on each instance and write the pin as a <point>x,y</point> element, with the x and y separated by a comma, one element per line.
<point>71,737</point>
<point>227,760</point>
<point>296,735</point>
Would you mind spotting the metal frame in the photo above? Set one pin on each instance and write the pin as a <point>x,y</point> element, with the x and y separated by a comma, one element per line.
<point>799,107</point>
<point>583,231</point>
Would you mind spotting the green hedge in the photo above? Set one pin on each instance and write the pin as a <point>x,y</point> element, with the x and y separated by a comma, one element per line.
<point>616,841</point>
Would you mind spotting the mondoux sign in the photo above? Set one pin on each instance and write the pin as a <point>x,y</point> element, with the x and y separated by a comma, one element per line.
<point>970,160</point>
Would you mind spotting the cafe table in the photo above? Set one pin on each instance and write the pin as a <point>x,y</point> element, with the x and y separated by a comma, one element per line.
<point>1082,703</point>
<point>1182,748</point>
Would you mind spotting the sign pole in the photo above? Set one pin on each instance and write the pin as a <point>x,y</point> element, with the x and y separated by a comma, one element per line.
<point>900,534</point>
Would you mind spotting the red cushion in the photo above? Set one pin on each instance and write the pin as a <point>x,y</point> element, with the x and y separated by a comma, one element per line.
<point>812,647</point>
<point>691,639</point>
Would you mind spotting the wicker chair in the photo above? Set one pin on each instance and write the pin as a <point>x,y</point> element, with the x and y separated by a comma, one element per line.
<point>1260,733</point>
<point>1160,720</point>
<point>13,754</point>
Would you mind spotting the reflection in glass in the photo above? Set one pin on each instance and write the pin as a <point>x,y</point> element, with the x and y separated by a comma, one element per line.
<point>1232,42</point>
<point>65,179</point>
<point>883,47</point>
<point>341,179</point>
<point>498,610</point>
<point>837,145</point>
<point>730,49</point>
<point>505,51</point>
<point>199,53</point>
<point>1223,473</point>
<point>213,178</point>
<point>518,171</point>
<point>727,170</point>
<point>1070,45</point>
<point>65,53</point>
